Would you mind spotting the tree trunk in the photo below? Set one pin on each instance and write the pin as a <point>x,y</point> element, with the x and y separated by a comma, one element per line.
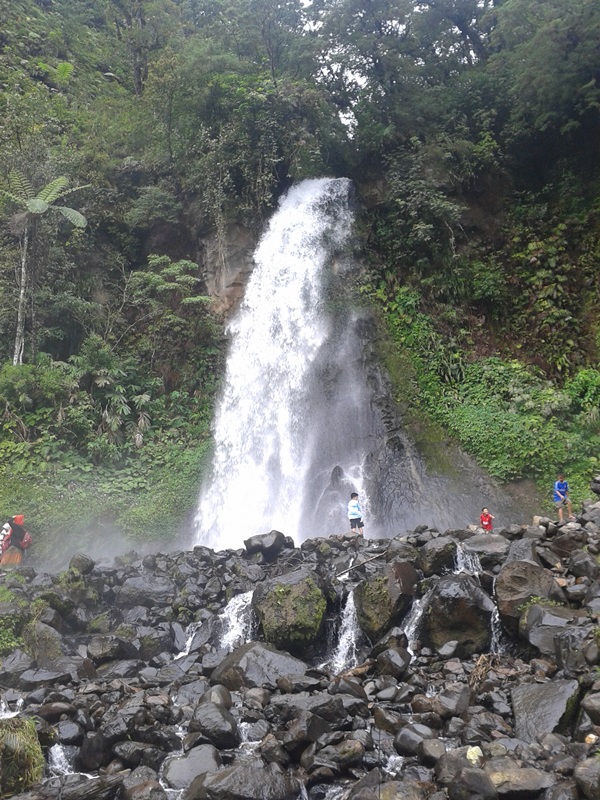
<point>20,334</point>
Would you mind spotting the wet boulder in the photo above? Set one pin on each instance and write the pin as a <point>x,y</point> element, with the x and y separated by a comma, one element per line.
<point>513,782</point>
<point>252,781</point>
<point>217,724</point>
<point>382,599</point>
<point>452,701</point>
<point>544,708</point>
<point>286,707</point>
<point>145,589</point>
<point>523,550</point>
<point>256,664</point>
<point>581,564</point>
<point>179,772</point>
<point>490,548</point>
<point>142,784</point>
<point>470,783</point>
<point>401,550</point>
<point>517,583</point>
<point>45,644</point>
<point>268,544</point>
<point>393,661</point>
<point>540,624</point>
<point>82,563</point>
<point>587,776</point>
<point>13,666</point>
<point>458,611</point>
<point>109,647</point>
<point>291,610</point>
<point>438,556</point>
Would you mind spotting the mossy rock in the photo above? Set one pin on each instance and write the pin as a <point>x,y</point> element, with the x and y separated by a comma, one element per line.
<point>43,643</point>
<point>100,624</point>
<point>382,600</point>
<point>58,601</point>
<point>77,587</point>
<point>21,758</point>
<point>291,610</point>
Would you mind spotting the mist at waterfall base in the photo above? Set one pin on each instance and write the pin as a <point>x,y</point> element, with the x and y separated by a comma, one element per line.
<point>306,416</point>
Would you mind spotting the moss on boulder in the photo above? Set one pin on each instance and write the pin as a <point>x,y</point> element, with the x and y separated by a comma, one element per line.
<point>382,600</point>
<point>291,610</point>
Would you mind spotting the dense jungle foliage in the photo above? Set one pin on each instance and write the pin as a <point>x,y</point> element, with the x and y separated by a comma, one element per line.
<point>131,130</point>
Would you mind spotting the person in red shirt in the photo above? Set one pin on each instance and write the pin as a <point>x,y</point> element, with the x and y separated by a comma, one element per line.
<point>486,520</point>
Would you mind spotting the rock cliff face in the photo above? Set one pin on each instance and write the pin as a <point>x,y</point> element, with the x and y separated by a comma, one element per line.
<point>126,674</point>
<point>227,264</point>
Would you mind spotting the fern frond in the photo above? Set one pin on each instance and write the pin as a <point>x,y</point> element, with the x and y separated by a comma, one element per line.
<point>19,184</point>
<point>70,191</point>
<point>12,197</point>
<point>53,190</point>
<point>74,217</point>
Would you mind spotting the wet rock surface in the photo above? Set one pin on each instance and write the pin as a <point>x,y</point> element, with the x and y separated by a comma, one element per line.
<point>468,668</point>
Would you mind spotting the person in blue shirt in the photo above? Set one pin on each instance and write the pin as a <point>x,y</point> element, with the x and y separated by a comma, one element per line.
<point>355,514</point>
<point>561,497</point>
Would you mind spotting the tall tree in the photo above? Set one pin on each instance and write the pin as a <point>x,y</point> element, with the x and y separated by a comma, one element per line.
<point>34,206</point>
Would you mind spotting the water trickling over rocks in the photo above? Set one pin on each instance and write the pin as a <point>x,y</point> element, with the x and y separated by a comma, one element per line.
<point>430,707</point>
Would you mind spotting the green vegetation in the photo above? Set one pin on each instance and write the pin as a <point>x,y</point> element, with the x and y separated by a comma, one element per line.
<point>21,755</point>
<point>470,130</point>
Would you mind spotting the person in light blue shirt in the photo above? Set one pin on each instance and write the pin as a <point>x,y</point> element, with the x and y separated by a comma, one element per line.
<point>561,497</point>
<point>355,514</point>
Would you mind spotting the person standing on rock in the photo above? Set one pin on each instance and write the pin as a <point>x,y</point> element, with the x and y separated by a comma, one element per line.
<point>561,497</point>
<point>355,514</point>
<point>486,520</point>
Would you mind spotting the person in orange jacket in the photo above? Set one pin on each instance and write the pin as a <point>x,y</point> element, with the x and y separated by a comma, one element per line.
<point>15,542</point>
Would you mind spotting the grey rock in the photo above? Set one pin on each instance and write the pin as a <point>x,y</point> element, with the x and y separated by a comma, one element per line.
<point>179,772</point>
<point>256,665</point>
<point>544,708</point>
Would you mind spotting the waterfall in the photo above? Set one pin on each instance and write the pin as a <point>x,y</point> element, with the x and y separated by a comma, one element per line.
<point>345,655</point>
<point>238,621</point>
<point>306,414</point>
<point>263,425</point>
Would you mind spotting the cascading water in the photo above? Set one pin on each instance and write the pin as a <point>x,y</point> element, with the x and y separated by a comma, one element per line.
<point>412,621</point>
<point>238,621</point>
<point>346,655</point>
<point>306,414</point>
<point>466,561</point>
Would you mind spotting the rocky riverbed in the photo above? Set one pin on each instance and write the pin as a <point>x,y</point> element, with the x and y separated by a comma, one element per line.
<point>434,664</point>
